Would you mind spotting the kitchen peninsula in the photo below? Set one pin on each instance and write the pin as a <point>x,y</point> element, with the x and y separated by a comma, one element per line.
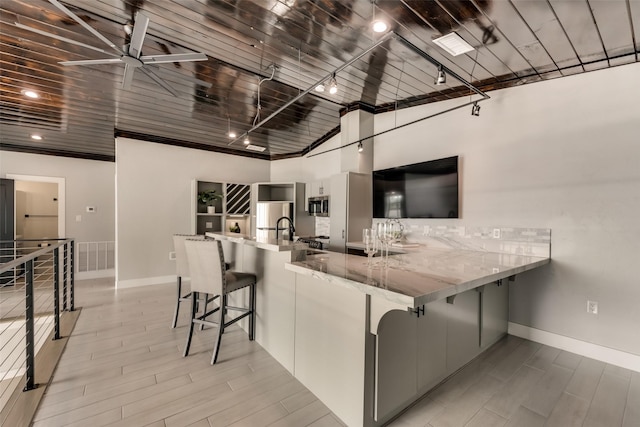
<point>370,341</point>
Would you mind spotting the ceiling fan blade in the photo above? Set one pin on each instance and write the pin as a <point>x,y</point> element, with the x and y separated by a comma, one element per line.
<point>137,37</point>
<point>179,76</point>
<point>127,77</point>
<point>159,81</point>
<point>177,57</point>
<point>64,39</point>
<point>92,61</point>
<point>88,27</point>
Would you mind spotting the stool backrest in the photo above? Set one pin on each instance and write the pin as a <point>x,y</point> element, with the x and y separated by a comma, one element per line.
<point>182,264</point>
<point>206,262</point>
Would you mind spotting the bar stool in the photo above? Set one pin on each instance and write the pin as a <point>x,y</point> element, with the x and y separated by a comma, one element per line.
<point>208,275</point>
<point>182,269</point>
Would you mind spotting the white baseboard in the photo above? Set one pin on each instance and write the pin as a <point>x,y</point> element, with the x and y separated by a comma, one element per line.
<point>583,348</point>
<point>83,275</point>
<point>147,281</point>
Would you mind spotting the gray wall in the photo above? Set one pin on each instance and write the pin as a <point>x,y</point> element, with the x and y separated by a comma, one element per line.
<point>562,154</point>
<point>154,201</point>
<point>87,183</point>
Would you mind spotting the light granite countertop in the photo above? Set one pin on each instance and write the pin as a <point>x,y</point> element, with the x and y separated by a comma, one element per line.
<point>280,245</point>
<point>418,276</point>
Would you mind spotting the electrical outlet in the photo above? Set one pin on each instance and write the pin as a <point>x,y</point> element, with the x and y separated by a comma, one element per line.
<point>592,307</point>
<point>208,225</point>
<point>496,233</point>
<point>172,256</point>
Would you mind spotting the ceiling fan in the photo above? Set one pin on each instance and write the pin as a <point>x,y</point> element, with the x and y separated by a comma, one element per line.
<point>131,55</point>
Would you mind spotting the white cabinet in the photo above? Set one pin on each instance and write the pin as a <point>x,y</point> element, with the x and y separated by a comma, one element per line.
<point>317,188</point>
<point>350,210</point>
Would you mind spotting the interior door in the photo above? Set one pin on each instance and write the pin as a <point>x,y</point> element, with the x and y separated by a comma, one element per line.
<point>7,221</point>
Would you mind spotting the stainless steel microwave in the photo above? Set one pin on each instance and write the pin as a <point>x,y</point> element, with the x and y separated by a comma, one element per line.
<point>319,206</point>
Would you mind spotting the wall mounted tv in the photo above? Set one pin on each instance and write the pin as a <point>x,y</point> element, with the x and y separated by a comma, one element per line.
<point>421,190</point>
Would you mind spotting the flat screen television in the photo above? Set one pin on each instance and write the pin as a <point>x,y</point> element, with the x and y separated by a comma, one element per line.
<point>421,190</point>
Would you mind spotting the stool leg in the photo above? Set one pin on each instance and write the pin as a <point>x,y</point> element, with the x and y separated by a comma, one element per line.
<point>206,302</point>
<point>175,314</point>
<point>216,344</point>
<point>194,298</point>
<point>252,306</point>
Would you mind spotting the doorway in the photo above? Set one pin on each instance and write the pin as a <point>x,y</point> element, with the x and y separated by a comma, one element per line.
<point>39,207</point>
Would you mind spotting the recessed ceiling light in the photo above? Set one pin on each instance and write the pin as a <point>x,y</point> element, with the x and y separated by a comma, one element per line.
<point>256,148</point>
<point>30,93</point>
<point>380,26</point>
<point>454,44</point>
<point>36,137</point>
<point>232,134</point>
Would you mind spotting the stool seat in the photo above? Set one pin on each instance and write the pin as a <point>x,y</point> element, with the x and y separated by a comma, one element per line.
<point>236,280</point>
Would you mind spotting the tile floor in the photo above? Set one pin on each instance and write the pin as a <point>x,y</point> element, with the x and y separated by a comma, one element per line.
<point>123,367</point>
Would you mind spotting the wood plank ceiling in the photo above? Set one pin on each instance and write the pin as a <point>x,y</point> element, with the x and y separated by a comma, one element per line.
<point>266,53</point>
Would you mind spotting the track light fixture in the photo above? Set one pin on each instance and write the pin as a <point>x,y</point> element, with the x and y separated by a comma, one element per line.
<point>246,140</point>
<point>320,87</point>
<point>360,147</point>
<point>333,85</point>
<point>475,109</point>
<point>442,77</point>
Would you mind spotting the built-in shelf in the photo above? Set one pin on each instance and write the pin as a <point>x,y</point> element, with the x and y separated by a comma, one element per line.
<point>234,207</point>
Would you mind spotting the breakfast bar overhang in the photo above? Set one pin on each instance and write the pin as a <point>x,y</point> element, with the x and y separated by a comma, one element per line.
<point>370,340</point>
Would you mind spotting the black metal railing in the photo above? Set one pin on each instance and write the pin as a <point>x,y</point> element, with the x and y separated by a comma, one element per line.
<point>32,273</point>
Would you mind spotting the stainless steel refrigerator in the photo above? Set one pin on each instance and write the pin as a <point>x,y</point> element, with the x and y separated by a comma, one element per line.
<point>267,213</point>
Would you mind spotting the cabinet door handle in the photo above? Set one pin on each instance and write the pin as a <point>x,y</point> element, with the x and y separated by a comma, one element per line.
<point>343,234</point>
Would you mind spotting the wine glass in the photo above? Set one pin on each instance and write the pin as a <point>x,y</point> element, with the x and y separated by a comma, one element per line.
<point>395,230</point>
<point>383,237</point>
<point>370,240</point>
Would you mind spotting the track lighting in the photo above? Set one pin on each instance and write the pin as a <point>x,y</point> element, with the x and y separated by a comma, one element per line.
<point>36,137</point>
<point>246,140</point>
<point>320,87</point>
<point>360,147</point>
<point>475,109</point>
<point>333,85</point>
<point>442,77</point>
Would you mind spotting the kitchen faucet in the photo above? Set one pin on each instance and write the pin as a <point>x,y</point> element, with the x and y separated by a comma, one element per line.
<point>292,229</point>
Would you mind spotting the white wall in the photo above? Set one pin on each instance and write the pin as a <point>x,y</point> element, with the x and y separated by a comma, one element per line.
<point>307,169</point>
<point>87,182</point>
<point>154,201</point>
<point>562,154</point>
